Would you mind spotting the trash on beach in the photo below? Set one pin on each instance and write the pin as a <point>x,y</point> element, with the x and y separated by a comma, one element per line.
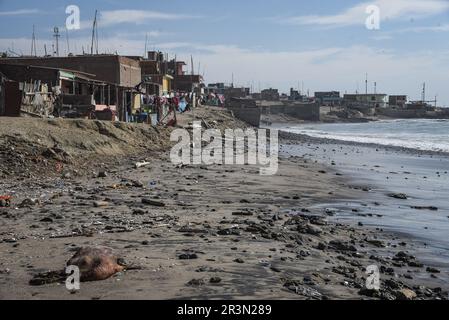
<point>142,164</point>
<point>152,184</point>
<point>29,202</point>
<point>5,201</point>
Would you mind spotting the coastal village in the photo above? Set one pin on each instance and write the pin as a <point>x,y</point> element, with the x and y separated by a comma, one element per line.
<point>154,88</point>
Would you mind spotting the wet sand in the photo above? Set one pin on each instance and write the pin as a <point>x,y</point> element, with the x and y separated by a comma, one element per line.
<point>422,218</point>
<point>257,237</point>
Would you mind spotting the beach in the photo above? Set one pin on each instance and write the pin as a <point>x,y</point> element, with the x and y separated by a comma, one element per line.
<point>213,232</point>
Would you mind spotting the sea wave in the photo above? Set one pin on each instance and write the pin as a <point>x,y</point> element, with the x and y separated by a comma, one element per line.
<point>426,135</point>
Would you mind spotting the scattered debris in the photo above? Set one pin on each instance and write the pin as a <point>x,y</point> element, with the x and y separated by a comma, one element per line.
<point>142,164</point>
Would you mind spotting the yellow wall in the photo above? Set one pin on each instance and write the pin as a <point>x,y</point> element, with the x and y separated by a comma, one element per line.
<point>166,85</point>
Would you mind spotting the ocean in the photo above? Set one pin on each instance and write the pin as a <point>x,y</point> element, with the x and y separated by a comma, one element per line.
<point>420,134</point>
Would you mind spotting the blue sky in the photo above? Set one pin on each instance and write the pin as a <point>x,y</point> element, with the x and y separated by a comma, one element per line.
<point>318,45</point>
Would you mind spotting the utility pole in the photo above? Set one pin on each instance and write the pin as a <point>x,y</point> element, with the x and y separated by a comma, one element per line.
<point>146,42</point>
<point>68,42</point>
<point>423,92</point>
<point>57,36</point>
<point>94,34</point>
<point>366,84</point>
<point>33,43</point>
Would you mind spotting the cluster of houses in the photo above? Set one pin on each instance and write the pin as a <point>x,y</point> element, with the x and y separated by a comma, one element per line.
<point>105,87</point>
<point>148,89</point>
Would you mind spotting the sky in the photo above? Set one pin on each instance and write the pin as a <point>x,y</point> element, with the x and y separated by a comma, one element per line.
<point>318,45</point>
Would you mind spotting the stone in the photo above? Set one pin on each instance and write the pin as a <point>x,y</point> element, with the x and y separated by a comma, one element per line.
<point>372,293</point>
<point>400,196</point>
<point>29,202</point>
<point>195,283</point>
<point>153,202</point>
<point>431,208</point>
<point>188,256</point>
<point>310,229</point>
<point>432,270</point>
<point>139,212</point>
<point>298,288</point>
<point>99,204</point>
<point>341,246</point>
<point>215,280</point>
<point>102,174</point>
<point>405,294</point>
<point>242,213</point>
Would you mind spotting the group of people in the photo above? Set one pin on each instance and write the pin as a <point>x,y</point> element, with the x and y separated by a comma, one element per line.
<point>166,107</point>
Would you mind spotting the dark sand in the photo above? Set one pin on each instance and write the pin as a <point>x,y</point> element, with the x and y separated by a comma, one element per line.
<point>258,237</point>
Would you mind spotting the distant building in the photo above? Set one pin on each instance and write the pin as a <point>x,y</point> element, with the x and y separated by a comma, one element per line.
<point>270,94</point>
<point>230,93</point>
<point>217,88</point>
<point>328,98</point>
<point>419,105</point>
<point>163,75</point>
<point>370,100</point>
<point>295,95</point>
<point>256,96</point>
<point>398,101</point>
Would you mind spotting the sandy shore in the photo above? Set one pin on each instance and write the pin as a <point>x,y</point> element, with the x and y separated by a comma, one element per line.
<point>247,236</point>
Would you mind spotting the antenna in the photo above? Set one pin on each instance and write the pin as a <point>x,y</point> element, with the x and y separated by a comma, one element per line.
<point>56,35</point>
<point>146,42</point>
<point>68,42</point>
<point>375,87</point>
<point>423,92</point>
<point>45,49</point>
<point>94,35</point>
<point>366,84</point>
<point>33,43</point>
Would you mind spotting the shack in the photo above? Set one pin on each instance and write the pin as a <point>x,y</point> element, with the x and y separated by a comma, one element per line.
<point>119,75</point>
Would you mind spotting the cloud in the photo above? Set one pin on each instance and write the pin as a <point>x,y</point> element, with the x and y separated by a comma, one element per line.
<point>321,69</point>
<point>20,12</point>
<point>389,10</point>
<point>439,28</point>
<point>109,18</point>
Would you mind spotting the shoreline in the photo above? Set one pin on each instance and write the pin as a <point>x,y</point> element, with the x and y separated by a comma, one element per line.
<point>418,219</point>
<point>297,137</point>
